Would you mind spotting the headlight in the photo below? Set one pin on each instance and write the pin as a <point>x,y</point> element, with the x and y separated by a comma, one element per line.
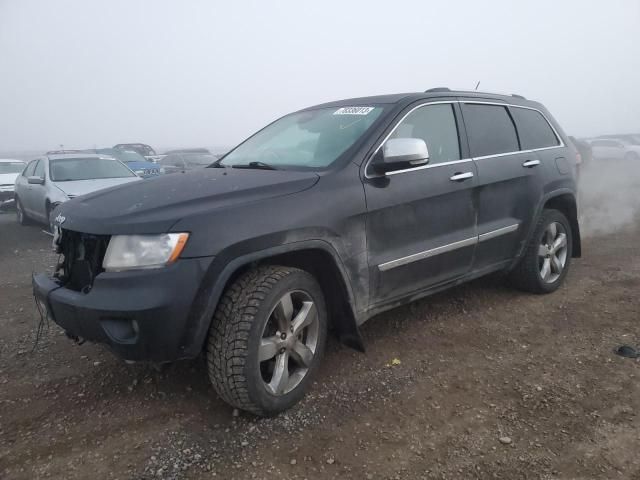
<point>139,172</point>
<point>126,252</point>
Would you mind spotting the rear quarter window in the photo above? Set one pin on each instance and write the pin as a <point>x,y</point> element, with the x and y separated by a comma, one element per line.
<point>533,129</point>
<point>490,130</point>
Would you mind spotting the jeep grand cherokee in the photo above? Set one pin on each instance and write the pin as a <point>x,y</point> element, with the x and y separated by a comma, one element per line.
<point>319,221</point>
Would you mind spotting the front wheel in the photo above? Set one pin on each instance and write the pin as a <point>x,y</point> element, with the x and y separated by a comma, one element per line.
<point>21,217</point>
<point>267,338</point>
<point>546,260</point>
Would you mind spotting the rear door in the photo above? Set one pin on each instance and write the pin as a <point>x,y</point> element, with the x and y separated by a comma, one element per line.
<point>421,222</point>
<point>510,182</point>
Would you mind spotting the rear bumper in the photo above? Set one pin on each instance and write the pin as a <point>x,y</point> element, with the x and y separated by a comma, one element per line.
<point>140,315</point>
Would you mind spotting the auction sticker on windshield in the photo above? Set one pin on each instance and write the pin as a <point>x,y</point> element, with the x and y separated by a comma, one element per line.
<point>353,111</point>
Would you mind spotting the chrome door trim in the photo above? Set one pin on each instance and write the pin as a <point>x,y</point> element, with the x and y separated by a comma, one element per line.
<point>555,132</point>
<point>441,102</point>
<point>383,267</point>
<point>427,253</point>
<point>483,237</point>
<point>424,167</point>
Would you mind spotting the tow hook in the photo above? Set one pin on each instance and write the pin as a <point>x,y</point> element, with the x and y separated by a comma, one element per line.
<point>75,338</point>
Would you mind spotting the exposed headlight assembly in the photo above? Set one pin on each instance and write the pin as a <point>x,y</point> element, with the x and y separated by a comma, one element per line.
<point>126,252</point>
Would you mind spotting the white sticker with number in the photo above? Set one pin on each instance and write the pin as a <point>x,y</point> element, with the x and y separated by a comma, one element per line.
<point>353,111</point>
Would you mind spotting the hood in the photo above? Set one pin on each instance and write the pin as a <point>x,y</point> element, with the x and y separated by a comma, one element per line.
<point>83,187</point>
<point>154,205</point>
<point>8,178</point>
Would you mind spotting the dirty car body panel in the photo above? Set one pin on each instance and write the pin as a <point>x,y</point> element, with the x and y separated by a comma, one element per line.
<point>393,237</point>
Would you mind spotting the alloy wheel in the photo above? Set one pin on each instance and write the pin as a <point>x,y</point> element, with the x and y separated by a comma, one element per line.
<point>289,342</point>
<point>552,252</point>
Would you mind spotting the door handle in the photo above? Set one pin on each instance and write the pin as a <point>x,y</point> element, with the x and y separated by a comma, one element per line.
<point>461,177</point>
<point>531,163</point>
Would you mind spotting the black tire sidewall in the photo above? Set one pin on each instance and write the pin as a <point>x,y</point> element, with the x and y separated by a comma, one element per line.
<point>258,394</point>
<point>552,216</point>
<point>22,220</point>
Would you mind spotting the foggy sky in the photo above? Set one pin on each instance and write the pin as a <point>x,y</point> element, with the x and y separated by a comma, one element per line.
<point>193,73</point>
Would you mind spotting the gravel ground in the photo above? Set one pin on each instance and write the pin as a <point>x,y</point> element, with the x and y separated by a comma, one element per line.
<point>478,382</point>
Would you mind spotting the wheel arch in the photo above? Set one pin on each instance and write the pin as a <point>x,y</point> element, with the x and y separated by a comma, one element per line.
<point>563,200</point>
<point>317,257</point>
<point>566,203</point>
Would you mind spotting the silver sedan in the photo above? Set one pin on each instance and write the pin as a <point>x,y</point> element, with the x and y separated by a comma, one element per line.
<point>52,179</point>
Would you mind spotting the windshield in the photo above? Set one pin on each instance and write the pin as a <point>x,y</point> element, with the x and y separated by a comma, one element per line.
<point>312,139</point>
<point>11,167</point>
<point>199,159</point>
<point>70,169</point>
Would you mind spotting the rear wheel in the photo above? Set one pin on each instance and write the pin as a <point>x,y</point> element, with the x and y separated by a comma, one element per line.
<point>266,339</point>
<point>632,156</point>
<point>546,260</point>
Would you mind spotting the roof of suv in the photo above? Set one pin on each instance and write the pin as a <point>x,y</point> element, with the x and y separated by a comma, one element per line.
<point>58,156</point>
<point>432,93</point>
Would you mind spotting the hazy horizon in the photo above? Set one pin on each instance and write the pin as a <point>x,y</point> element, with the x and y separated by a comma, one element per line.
<point>85,73</point>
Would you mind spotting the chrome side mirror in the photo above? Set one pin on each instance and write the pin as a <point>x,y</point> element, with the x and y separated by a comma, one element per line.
<point>400,153</point>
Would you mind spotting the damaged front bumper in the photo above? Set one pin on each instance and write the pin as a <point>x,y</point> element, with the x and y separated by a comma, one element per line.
<point>143,315</point>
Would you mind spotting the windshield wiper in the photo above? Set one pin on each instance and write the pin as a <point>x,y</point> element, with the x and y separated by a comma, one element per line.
<point>256,165</point>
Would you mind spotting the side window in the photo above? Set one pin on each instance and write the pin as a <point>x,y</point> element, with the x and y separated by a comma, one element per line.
<point>28,172</point>
<point>533,129</point>
<point>491,130</point>
<point>436,125</point>
<point>39,170</point>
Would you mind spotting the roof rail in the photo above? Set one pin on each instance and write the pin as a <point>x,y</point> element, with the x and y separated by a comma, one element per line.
<point>518,96</point>
<point>438,89</point>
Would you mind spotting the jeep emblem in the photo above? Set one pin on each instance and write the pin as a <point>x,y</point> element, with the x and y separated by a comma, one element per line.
<point>60,219</point>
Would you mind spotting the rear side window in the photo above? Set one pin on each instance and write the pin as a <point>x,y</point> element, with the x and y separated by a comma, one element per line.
<point>436,125</point>
<point>533,129</point>
<point>490,129</point>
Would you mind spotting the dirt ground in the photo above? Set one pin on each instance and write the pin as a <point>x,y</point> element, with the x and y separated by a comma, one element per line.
<point>492,383</point>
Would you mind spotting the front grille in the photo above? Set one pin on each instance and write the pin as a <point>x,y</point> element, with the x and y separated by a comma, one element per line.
<point>81,260</point>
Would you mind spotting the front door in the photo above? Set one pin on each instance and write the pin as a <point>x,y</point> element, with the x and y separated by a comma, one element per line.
<point>421,222</point>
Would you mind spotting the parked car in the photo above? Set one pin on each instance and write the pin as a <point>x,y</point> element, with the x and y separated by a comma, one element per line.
<point>51,180</point>
<point>324,218</point>
<point>614,149</point>
<point>136,162</point>
<point>180,162</point>
<point>9,171</point>
<point>585,153</point>
<point>632,138</point>
<point>141,149</point>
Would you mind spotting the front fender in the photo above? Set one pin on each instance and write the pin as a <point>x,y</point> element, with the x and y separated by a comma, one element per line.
<point>224,267</point>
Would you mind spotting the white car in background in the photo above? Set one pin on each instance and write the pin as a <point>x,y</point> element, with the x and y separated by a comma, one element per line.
<point>52,179</point>
<point>614,149</point>
<point>9,171</point>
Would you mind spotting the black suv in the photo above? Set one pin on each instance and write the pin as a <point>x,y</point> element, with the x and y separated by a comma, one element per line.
<point>319,221</point>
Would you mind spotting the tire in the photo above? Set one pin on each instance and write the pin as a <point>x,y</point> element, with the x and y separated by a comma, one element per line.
<point>21,216</point>
<point>631,157</point>
<point>247,326</point>
<point>50,208</point>
<point>538,271</point>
